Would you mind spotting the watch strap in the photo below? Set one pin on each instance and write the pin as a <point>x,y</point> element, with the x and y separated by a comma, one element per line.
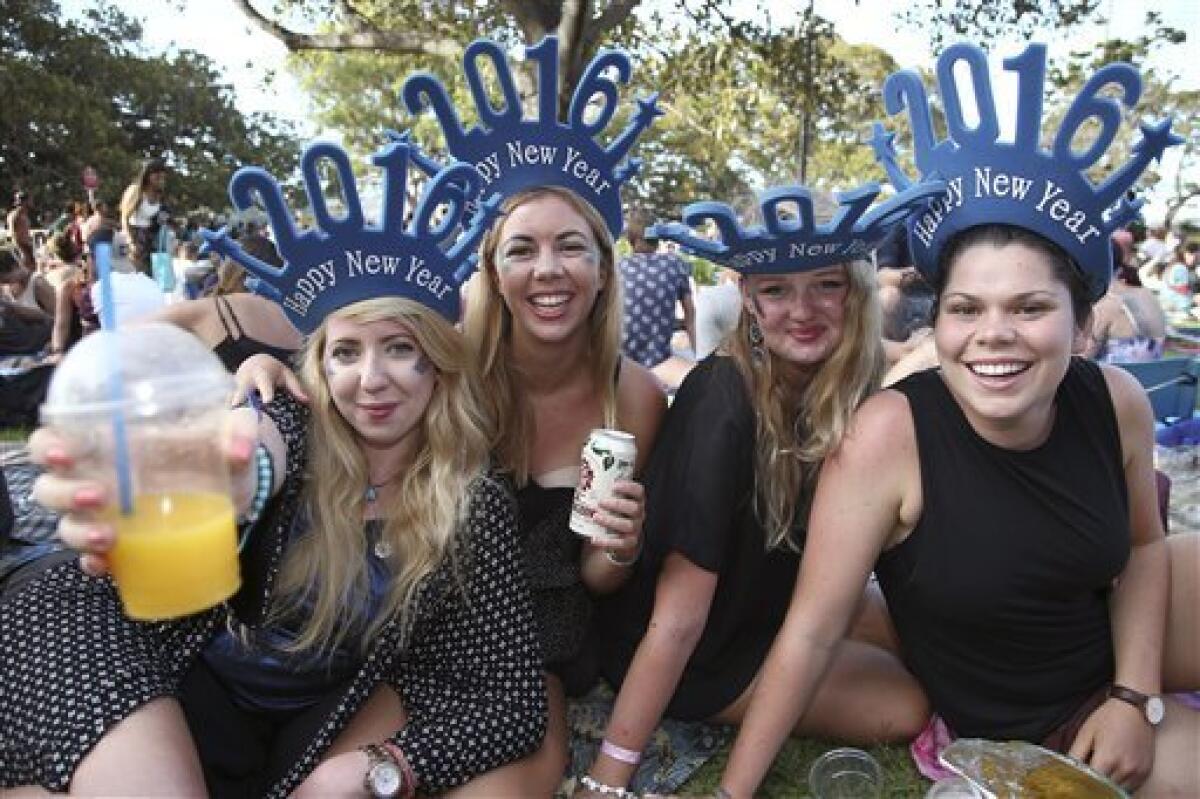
<point>1135,698</point>
<point>1150,705</point>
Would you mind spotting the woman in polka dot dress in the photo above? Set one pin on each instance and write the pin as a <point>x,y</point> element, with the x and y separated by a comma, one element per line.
<point>382,617</point>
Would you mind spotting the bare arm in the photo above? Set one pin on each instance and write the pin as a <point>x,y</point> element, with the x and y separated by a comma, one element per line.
<point>1116,740</point>
<point>186,315</point>
<point>45,295</point>
<point>640,408</point>
<point>848,528</point>
<point>681,604</point>
<point>64,311</point>
<point>689,319</point>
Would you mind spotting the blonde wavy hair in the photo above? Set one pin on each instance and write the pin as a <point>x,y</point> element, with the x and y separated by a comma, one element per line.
<point>488,328</point>
<point>325,572</point>
<point>794,434</point>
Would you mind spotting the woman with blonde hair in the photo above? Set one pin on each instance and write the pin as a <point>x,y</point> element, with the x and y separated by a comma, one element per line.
<point>382,642</point>
<point>729,487</point>
<point>543,322</point>
<point>142,214</point>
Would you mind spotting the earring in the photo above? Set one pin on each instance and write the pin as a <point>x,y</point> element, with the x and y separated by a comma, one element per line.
<point>755,335</point>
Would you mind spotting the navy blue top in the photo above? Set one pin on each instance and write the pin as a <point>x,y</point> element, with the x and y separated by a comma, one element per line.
<point>262,675</point>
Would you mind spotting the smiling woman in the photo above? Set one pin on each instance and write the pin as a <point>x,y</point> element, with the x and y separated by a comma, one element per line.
<point>383,639</point>
<point>1011,515</point>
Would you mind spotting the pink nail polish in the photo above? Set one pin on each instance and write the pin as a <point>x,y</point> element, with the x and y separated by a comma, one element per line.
<point>88,496</point>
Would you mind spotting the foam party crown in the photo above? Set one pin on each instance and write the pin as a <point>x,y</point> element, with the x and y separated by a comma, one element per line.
<point>512,152</point>
<point>790,239</point>
<point>1046,191</point>
<point>344,259</point>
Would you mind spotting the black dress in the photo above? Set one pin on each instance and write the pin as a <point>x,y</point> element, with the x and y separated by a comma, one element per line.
<point>700,503</point>
<point>1000,593</point>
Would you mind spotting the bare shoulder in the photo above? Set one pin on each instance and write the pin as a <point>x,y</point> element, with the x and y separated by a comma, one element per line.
<point>881,428</point>
<point>1135,417</point>
<point>640,404</point>
<point>1128,396</point>
<point>879,450</point>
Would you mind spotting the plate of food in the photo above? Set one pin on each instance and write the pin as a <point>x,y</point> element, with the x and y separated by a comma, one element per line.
<point>1020,770</point>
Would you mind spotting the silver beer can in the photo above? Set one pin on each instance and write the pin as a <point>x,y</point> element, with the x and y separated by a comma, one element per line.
<point>608,456</point>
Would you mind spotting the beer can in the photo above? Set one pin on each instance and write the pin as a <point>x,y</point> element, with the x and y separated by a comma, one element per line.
<point>608,456</point>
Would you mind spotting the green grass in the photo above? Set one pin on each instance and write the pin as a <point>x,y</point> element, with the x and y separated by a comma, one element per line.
<point>788,778</point>
<point>14,434</point>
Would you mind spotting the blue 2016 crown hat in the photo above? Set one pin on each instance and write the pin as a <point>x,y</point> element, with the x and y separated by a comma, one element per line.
<point>345,260</point>
<point>513,153</point>
<point>988,181</point>
<point>789,242</point>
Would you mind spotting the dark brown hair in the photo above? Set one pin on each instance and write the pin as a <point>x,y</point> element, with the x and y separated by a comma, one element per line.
<point>1065,270</point>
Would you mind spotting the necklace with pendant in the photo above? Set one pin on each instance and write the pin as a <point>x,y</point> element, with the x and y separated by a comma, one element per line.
<point>379,546</point>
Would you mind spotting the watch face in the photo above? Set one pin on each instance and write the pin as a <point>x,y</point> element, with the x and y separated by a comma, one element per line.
<point>385,779</point>
<point>1155,710</point>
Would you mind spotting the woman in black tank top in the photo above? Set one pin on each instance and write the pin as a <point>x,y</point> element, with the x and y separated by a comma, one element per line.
<point>1007,499</point>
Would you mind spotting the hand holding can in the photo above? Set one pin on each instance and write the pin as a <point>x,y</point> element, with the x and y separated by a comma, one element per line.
<point>608,458</point>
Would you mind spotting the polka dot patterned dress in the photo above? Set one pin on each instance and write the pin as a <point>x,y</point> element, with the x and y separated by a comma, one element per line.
<point>467,665</point>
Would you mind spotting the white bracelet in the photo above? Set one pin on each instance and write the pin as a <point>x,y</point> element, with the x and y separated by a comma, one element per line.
<point>595,786</point>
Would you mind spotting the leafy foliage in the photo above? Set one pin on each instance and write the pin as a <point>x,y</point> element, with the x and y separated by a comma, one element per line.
<point>81,93</point>
<point>986,21</point>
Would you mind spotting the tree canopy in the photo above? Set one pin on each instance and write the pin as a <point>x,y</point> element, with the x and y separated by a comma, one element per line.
<point>765,95</point>
<point>81,93</point>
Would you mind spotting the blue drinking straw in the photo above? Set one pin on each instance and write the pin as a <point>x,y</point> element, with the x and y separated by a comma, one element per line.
<point>108,321</point>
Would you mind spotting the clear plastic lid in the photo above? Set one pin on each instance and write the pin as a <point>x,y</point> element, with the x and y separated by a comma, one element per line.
<point>142,370</point>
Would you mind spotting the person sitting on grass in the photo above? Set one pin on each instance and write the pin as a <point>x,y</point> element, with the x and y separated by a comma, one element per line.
<point>383,640</point>
<point>1011,515</point>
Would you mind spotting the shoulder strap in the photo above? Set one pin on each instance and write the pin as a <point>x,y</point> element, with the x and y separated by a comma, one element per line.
<point>223,303</point>
<point>1134,322</point>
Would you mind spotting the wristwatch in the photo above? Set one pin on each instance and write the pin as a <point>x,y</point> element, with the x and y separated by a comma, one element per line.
<point>383,779</point>
<point>1151,706</point>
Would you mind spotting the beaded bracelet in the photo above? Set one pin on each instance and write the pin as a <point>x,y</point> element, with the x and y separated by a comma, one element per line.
<point>265,468</point>
<point>595,786</point>
<point>408,778</point>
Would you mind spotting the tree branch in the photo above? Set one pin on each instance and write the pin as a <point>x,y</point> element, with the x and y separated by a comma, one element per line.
<point>411,43</point>
<point>612,17</point>
<point>357,21</point>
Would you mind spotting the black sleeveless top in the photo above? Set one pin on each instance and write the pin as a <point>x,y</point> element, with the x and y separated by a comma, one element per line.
<point>237,346</point>
<point>1000,593</point>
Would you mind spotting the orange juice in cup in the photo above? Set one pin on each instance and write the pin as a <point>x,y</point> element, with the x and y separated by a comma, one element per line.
<point>144,407</point>
<point>175,554</point>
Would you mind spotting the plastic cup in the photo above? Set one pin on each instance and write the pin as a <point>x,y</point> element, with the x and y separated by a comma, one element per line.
<point>161,392</point>
<point>953,788</point>
<point>846,773</point>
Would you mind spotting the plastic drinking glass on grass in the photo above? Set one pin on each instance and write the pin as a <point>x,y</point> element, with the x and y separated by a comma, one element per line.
<point>846,773</point>
<point>144,406</point>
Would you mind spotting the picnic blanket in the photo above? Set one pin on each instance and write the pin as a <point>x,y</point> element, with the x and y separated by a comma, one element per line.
<point>676,750</point>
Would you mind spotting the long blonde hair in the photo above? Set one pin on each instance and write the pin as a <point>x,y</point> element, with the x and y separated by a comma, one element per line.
<point>794,434</point>
<point>326,570</point>
<point>132,197</point>
<point>488,328</point>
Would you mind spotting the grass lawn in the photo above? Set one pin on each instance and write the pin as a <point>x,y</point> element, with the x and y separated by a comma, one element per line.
<point>14,434</point>
<point>788,778</point>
